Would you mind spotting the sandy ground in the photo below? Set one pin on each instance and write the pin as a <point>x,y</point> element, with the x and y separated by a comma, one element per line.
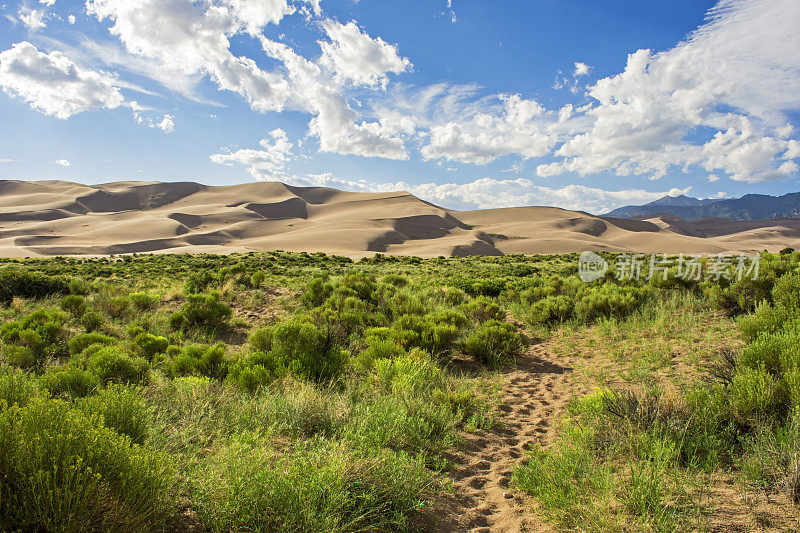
<point>60,218</point>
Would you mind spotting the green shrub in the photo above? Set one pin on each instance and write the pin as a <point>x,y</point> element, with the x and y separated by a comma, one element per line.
<point>61,472</point>
<point>199,360</point>
<point>313,487</point>
<point>316,292</point>
<point>113,364</point>
<point>203,311</point>
<point>92,320</point>
<point>69,380</point>
<point>756,394</point>
<point>142,300</point>
<point>121,408</point>
<point>198,282</point>
<point>766,319</point>
<point>377,348</point>
<point>258,278</point>
<point>16,388</point>
<point>786,292</point>
<point>551,310</point>
<point>29,284</point>
<point>494,343</point>
<point>79,343</point>
<point>148,345</point>
<point>481,309</point>
<point>74,304</point>
<point>32,340</point>
<point>306,351</point>
<point>116,306</point>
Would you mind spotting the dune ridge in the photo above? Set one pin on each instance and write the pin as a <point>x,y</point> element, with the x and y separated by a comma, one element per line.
<point>48,218</point>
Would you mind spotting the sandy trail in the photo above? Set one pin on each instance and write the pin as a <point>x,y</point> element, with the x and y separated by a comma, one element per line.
<point>534,395</point>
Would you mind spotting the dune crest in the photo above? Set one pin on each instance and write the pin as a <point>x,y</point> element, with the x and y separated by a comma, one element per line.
<point>60,218</point>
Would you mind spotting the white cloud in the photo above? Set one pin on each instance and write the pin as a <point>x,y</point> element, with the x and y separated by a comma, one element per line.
<point>53,84</point>
<point>194,39</point>
<point>269,163</point>
<point>166,124</point>
<point>334,122</point>
<point>71,19</point>
<point>489,193</point>
<point>7,160</point>
<point>354,56</point>
<point>47,2</point>
<point>254,15</point>
<point>581,69</point>
<point>737,75</point>
<point>33,19</point>
<point>520,127</point>
<point>62,162</point>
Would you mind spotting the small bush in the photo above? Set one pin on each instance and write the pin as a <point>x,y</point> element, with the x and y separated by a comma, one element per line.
<point>69,381</point>
<point>34,339</point>
<point>16,388</point>
<point>92,320</point>
<point>71,475</point>
<point>148,345</point>
<point>73,304</point>
<point>79,343</point>
<point>494,343</point>
<point>481,309</point>
<point>116,306</point>
<point>377,348</point>
<point>313,487</point>
<point>200,360</point>
<point>258,278</point>
<point>121,408</point>
<point>28,284</point>
<point>112,364</point>
<point>142,300</point>
<point>203,311</point>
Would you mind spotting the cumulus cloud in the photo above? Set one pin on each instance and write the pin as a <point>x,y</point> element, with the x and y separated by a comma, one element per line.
<point>268,163</point>
<point>736,76</point>
<point>520,127</point>
<point>194,38</point>
<point>62,162</point>
<point>356,57</point>
<point>581,69</point>
<point>53,84</point>
<point>33,19</point>
<point>488,193</point>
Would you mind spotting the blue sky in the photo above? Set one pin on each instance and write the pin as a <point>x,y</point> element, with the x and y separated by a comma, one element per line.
<point>469,104</point>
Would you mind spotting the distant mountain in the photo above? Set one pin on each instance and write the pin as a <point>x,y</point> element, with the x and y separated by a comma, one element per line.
<point>682,201</point>
<point>748,207</point>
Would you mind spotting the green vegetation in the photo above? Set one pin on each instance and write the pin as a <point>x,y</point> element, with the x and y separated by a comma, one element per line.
<point>301,392</point>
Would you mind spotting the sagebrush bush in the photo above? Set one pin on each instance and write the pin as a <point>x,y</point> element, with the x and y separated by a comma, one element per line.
<point>142,300</point>
<point>148,345</point>
<point>206,312</point>
<point>494,343</point>
<point>16,387</point>
<point>29,284</point>
<point>70,381</point>
<point>91,320</point>
<point>199,360</point>
<point>316,486</point>
<point>79,343</point>
<point>60,471</point>
<point>74,304</point>
<point>34,339</point>
<point>115,364</point>
<point>121,408</point>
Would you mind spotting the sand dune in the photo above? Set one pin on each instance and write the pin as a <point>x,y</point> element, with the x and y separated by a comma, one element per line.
<point>60,218</point>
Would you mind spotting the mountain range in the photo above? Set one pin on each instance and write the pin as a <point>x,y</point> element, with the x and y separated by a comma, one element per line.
<point>748,207</point>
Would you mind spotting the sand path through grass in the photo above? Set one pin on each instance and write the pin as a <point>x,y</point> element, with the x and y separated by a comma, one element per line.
<point>533,397</point>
